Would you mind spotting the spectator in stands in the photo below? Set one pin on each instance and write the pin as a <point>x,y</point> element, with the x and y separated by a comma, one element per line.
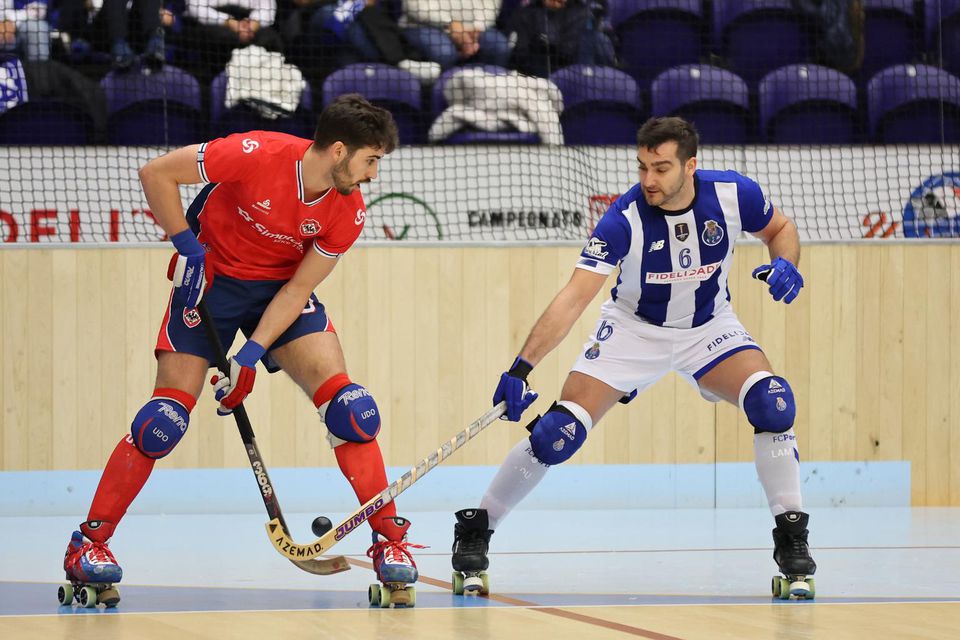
<point>24,28</point>
<point>213,29</point>
<point>552,34</point>
<point>107,25</point>
<point>448,31</point>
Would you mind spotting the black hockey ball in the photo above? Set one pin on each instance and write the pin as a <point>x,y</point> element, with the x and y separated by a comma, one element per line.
<point>321,525</point>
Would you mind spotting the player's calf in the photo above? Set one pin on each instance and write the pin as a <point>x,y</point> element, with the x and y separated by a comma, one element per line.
<point>560,432</point>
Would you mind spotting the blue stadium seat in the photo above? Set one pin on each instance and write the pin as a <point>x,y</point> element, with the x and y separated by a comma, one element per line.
<point>758,36</point>
<point>224,121</point>
<point>163,108</point>
<point>600,105</point>
<point>394,89</point>
<point>890,35</point>
<point>905,104</point>
<point>657,34</point>
<point>808,104</point>
<point>942,26</point>
<point>45,122</point>
<point>715,100</point>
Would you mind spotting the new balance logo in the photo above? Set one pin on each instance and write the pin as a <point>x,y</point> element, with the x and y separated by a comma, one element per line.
<point>656,246</point>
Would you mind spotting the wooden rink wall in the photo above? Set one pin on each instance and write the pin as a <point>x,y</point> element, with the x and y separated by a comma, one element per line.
<point>867,347</point>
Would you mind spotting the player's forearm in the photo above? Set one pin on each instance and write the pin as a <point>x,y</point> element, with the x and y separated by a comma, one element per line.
<point>786,244</point>
<point>553,326</point>
<point>280,314</point>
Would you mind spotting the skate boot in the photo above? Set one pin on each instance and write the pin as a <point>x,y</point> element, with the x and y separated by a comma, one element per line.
<point>792,554</point>
<point>91,570</point>
<point>394,565</point>
<point>471,541</point>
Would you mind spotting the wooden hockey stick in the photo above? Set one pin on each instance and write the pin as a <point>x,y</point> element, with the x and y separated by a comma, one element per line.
<point>281,539</point>
<point>318,566</point>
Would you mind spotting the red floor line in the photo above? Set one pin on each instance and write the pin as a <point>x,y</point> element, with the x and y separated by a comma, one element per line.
<point>553,611</point>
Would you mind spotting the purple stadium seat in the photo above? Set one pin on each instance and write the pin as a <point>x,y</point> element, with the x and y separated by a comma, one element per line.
<point>600,105</point>
<point>758,36</point>
<point>389,87</point>
<point>158,109</point>
<point>890,35</point>
<point>715,100</point>
<point>657,34</point>
<point>942,26</point>
<point>808,104</point>
<point>224,121</point>
<point>45,122</point>
<point>905,103</point>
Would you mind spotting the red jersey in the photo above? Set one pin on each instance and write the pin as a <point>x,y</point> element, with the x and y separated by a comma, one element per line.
<point>253,217</point>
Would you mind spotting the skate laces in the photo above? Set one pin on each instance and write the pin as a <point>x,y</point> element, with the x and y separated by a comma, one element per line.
<point>394,551</point>
<point>100,553</point>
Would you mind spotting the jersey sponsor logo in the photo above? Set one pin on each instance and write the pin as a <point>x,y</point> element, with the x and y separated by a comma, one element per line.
<point>262,206</point>
<point>191,317</point>
<point>681,231</point>
<point>729,335</point>
<point>250,145</point>
<point>712,233</point>
<point>309,227</point>
<point>694,274</point>
<point>656,245</point>
<point>266,233</point>
<point>595,248</point>
<point>361,216</point>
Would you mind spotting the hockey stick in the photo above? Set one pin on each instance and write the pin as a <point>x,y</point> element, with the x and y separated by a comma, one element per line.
<point>319,566</point>
<point>281,539</point>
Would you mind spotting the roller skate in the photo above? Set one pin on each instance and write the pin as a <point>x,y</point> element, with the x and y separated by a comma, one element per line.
<point>394,565</point>
<point>91,570</point>
<point>792,554</point>
<point>471,541</point>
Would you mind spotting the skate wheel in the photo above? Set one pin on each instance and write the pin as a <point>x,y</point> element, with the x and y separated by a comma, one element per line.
<point>457,581</point>
<point>485,589</point>
<point>412,596</point>
<point>65,594</point>
<point>110,597</point>
<point>88,597</point>
<point>373,592</point>
<point>775,586</point>
<point>385,597</point>
<point>813,589</point>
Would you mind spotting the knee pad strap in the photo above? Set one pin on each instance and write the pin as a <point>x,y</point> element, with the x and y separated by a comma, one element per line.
<point>161,423</point>
<point>768,403</point>
<point>348,410</point>
<point>560,432</point>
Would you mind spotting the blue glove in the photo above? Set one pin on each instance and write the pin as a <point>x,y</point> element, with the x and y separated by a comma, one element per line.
<point>187,270</point>
<point>513,389</point>
<point>783,279</point>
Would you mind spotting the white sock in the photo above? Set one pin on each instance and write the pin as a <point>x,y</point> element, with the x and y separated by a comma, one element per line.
<point>517,476</point>
<point>778,465</point>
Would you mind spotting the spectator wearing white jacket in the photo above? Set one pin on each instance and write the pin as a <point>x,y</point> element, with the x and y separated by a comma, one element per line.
<point>212,29</point>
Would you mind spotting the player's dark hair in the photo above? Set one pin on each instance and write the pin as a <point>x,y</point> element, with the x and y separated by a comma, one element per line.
<point>356,123</point>
<point>656,131</point>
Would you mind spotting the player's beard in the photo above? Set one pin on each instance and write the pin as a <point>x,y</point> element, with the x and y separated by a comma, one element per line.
<point>666,197</point>
<point>341,177</point>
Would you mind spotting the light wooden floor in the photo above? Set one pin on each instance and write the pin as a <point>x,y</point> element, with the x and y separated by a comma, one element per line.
<point>658,574</point>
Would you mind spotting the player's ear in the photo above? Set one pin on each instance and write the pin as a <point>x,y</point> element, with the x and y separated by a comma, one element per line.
<point>691,165</point>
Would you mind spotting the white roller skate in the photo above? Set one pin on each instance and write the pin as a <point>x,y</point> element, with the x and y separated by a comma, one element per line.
<point>91,570</point>
<point>394,565</point>
<point>471,541</point>
<point>792,554</point>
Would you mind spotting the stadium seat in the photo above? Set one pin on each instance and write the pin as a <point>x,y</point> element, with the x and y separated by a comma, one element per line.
<point>657,34</point>
<point>394,89</point>
<point>715,100</point>
<point>470,136</point>
<point>163,108</point>
<point>224,121</point>
<point>600,105</point>
<point>943,33</point>
<point>45,122</point>
<point>890,33</point>
<point>808,104</point>
<point>905,103</point>
<point>758,36</point>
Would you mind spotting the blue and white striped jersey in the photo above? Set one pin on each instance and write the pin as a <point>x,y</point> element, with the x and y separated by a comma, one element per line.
<point>674,265</point>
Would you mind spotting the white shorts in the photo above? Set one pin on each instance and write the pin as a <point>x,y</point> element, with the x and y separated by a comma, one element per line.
<point>628,353</point>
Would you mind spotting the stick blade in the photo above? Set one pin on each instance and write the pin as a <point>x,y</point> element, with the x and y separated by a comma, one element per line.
<point>323,566</point>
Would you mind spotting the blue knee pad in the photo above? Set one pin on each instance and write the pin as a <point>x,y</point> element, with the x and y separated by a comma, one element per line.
<point>158,427</point>
<point>352,415</point>
<point>769,405</point>
<point>557,435</point>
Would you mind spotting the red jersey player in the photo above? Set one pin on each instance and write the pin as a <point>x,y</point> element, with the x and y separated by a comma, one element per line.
<point>274,217</point>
